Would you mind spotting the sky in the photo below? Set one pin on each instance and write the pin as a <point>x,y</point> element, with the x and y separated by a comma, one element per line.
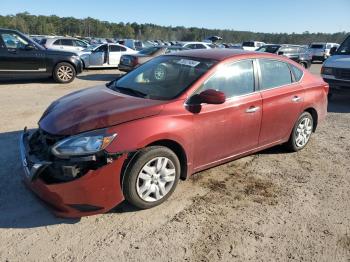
<point>268,16</point>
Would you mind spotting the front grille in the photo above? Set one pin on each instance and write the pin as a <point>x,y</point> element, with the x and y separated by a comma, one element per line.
<point>341,73</point>
<point>40,144</point>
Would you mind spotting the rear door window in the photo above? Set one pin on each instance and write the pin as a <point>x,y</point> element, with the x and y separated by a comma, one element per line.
<point>114,48</point>
<point>274,73</point>
<point>67,42</point>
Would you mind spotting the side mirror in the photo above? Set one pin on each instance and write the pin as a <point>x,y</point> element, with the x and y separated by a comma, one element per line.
<point>29,47</point>
<point>209,96</point>
<point>333,50</point>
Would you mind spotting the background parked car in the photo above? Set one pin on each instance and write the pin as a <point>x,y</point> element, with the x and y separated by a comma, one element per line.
<point>336,69</point>
<point>321,51</point>
<point>64,43</point>
<point>104,55</point>
<point>297,53</point>
<point>196,45</point>
<point>129,62</point>
<point>252,45</point>
<point>20,56</point>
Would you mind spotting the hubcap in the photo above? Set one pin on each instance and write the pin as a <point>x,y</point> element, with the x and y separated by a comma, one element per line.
<point>303,132</point>
<point>156,179</point>
<point>65,73</point>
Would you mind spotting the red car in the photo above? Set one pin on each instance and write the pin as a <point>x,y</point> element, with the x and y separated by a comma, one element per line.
<point>173,116</point>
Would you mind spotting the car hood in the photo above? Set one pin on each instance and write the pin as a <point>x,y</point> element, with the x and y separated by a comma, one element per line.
<point>338,61</point>
<point>95,108</point>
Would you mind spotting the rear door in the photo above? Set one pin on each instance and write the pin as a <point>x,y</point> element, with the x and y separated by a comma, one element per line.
<point>68,45</point>
<point>282,99</point>
<point>16,58</point>
<point>115,52</point>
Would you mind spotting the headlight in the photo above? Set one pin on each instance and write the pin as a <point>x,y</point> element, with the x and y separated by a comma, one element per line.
<point>84,144</point>
<point>327,71</point>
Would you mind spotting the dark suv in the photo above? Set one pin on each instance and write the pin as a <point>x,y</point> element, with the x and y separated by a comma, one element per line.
<point>22,57</point>
<point>297,53</point>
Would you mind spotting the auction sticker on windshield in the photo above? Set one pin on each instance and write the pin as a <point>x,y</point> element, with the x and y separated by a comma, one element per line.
<point>188,62</point>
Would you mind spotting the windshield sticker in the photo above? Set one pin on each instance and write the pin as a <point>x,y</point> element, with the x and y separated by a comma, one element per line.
<point>188,62</point>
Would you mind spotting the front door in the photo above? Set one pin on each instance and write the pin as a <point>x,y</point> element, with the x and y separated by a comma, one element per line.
<point>99,56</point>
<point>282,100</point>
<point>232,128</point>
<point>18,56</point>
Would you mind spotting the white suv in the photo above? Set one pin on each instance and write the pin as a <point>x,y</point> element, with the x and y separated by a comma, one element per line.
<point>252,45</point>
<point>336,69</point>
<point>64,44</point>
<point>321,51</point>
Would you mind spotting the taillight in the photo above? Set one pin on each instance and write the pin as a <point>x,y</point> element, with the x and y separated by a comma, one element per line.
<point>135,61</point>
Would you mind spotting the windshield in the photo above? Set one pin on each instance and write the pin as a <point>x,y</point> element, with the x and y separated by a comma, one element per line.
<point>269,48</point>
<point>344,49</point>
<point>162,78</point>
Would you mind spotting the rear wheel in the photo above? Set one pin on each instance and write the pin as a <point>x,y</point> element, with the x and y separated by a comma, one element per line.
<point>64,73</point>
<point>301,132</point>
<point>152,177</point>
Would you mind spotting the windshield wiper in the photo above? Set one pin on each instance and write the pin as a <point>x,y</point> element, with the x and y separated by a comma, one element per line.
<point>129,91</point>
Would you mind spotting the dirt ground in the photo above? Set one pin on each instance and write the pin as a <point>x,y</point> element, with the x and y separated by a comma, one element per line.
<point>272,206</point>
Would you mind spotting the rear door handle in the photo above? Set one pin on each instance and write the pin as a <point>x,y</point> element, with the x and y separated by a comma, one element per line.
<point>296,99</point>
<point>252,109</point>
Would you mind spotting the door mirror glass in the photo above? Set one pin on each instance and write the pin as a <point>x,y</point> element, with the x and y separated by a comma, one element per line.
<point>29,47</point>
<point>209,96</point>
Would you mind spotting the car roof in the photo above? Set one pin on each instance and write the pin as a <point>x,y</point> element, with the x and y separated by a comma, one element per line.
<point>215,54</point>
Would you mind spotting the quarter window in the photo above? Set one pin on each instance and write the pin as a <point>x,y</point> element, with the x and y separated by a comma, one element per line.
<point>233,80</point>
<point>274,73</point>
<point>298,73</point>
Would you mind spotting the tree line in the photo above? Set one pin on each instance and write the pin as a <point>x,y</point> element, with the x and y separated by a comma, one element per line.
<point>90,27</point>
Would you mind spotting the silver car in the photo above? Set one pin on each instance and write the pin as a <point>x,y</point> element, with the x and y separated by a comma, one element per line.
<point>64,44</point>
<point>321,51</point>
<point>104,55</point>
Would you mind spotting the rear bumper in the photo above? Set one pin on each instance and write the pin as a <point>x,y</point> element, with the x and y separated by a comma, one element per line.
<point>96,192</point>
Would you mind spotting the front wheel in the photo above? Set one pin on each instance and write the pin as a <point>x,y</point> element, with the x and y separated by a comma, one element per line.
<point>301,132</point>
<point>64,73</point>
<point>151,177</point>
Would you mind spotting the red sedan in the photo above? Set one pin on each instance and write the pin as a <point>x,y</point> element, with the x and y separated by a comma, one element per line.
<point>171,117</point>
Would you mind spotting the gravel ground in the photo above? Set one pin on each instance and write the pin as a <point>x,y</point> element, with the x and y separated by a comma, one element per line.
<point>271,206</point>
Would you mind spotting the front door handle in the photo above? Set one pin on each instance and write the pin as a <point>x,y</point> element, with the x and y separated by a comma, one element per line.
<point>296,99</point>
<point>252,109</point>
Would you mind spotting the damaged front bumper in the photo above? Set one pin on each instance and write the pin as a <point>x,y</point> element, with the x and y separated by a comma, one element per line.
<point>97,191</point>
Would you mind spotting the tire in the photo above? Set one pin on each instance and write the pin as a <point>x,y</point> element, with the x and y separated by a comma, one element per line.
<point>301,133</point>
<point>64,73</point>
<point>138,183</point>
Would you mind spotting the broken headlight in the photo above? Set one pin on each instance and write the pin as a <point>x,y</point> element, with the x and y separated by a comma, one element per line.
<point>84,144</point>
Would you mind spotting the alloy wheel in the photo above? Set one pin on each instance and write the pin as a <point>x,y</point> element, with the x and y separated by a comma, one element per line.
<point>303,132</point>
<point>65,73</point>
<point>156,179</point>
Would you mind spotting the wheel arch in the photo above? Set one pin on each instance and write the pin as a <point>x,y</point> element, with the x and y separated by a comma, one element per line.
<point>64,61</point>
<point>178,150</point>
<point>314,115</point>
